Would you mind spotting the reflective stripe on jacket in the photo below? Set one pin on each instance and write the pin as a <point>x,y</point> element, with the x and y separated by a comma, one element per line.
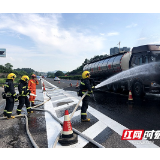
<point>85,86</point>
<point>9,88</point>
<point>23,88</point>
<point>32,84</point>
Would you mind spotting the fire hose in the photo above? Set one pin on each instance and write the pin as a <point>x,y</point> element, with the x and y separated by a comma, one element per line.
<point>27,128</point>
<point>76,131</point>
<point>61,123</point>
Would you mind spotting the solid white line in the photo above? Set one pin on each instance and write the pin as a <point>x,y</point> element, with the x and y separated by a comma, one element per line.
<point>117,127</point>
<point>95,129</point>
<point>52,126</point>
<point>104,121</point>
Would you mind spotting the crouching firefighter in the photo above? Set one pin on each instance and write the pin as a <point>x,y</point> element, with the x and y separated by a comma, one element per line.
<point>85,85</point>
<point>10,96</point>
<point>23,93</point>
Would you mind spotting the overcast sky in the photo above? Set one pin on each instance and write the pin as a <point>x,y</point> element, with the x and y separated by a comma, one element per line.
<point>62,41</point>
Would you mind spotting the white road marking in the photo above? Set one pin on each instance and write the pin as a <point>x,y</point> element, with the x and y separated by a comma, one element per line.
<point>52,126</point>
<point>117,127</point>
<point>65,106</point>
<point>62,99</point>
<point>92,131</point>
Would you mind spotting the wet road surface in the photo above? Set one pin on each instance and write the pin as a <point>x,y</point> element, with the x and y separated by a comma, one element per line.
<point>142,114</point>
<point>13,132</point>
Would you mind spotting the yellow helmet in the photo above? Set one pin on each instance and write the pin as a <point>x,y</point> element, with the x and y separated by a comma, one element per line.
<point>85,74</point>
<point>11,76</point>
<point>25,78</point>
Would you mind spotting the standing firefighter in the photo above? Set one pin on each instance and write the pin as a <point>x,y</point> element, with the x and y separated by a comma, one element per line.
<point>85,85</point>
<point>32,87</point>
<point>23,93</point>
<point>10,95</point>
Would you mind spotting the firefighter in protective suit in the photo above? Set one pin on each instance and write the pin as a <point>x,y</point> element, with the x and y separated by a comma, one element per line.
<point>86,85</point>
<point>23,93</point>
<point>32,87</point>
<point>10,96</point>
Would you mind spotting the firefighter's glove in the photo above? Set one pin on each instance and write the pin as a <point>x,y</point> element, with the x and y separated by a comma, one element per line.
<point>28,92</point>
<point>90,92</point>
<point>93,87</point>
<point>4,96</point>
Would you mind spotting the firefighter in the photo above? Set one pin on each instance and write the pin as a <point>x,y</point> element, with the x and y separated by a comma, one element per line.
<point>86,85</point>
<point>23,93</point>
<point>32,87</point>
<point>10,96</point>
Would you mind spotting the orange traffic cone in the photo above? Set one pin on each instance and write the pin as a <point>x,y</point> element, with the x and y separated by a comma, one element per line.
<point>77,84</point>
<point>44,89</point>
<point>67,137</point>
<point>130,99</point>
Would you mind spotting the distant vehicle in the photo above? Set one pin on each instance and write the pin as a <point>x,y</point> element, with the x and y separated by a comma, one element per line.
<point>38,77</point>
<point>56,79</point>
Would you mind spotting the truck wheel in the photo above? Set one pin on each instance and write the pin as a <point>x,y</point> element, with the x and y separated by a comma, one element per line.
<point>115,87</point>
<point>137,89</point>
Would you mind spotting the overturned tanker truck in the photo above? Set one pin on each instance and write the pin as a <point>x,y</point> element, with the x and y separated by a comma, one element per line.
<point>141,68</point>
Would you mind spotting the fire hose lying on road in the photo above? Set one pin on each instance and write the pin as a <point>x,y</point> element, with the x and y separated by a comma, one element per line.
<point>61,123</point>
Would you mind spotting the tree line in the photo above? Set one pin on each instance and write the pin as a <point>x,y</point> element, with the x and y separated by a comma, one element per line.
<point>78,70</point>
<point>7,68</point>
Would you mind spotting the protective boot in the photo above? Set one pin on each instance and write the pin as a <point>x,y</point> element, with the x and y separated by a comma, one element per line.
<point>4,113</point>
<point>29,110</point>
<point>18,111</point>
<point>85,120</point>
<point>12,117</point>
<point>84,117</point>
<point>32,104</point>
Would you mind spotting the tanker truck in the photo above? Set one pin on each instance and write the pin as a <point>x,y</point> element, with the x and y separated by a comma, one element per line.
<point>141,65</point>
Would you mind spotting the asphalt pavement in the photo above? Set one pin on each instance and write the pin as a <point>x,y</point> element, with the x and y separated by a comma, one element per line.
<point>141,114</point>
<point>13,132</point>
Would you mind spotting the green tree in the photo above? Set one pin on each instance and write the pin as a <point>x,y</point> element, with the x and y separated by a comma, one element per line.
<point>59,73</point>
<point>50,75</point>
<point>8,66</point>
<point>28,71</point>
